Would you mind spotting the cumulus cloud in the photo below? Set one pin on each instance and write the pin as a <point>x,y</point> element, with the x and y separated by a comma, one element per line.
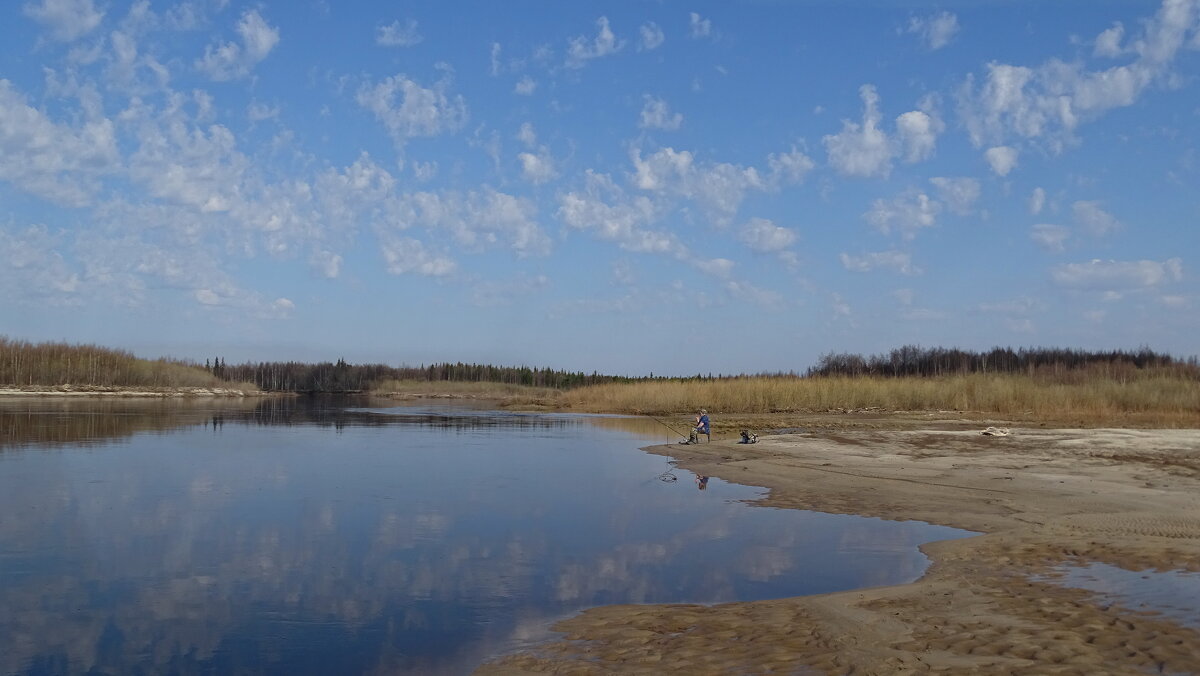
<point>905,214</point>
<point>477,219</point>
<point>1108,43</point>
<point>181,163</point>
<point>1037,201</point>
<point>652,36</point>
<point>861,149</point>
<point>789,167</point>
<point>699,27</point>
<point>32,268</point>
<point>405,255</point>
<point>1118,276</point>
<point>958,194</point>
<point>1002,159</point>
<point>408,110</point>
<point>605,210</point>
<point>581,50</point>
<point>54,161</point>
<point>537,168</point>
<point>1047,102</point>
<point>918,132</point>
<point>398,34</point>
<point>1093,219</point>
<point>718,188</point>
<point>67,20</point>
<point>865,149</point>
<point>1050,237</point>
<point>896,261</point>
<point>763,236</point>
<point>936,31</point>
<point>233,60</point>
<point>525,86</point>
<point>327,263</point>
<point>656,114</point>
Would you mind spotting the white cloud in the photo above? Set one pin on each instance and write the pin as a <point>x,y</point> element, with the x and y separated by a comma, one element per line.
<point>405,255</point>
<point>1037,201</point>
<point>496,66</point>
<point>408,110</point>
<point>525,86</point>
<point>764,236</point>
<point>718,188</point>
<point>477,219</point>
<point>958,194</point>
<point>183,164</point>
<point>327,263</point>
<point>1093,219</point>
<point>861,149</point>
<point>896,261</point>
<point>232,61</point>
<point>527,135</point>
<point>936,31</point>
<point>918,132</point>
<point>1050,237</point>
<point>605,209</point>
<point>789,167</point>
<point>257,112</point>
<point>699,27</point>
<point>1047,102</point>
<point>33,269</point>
<point>656,114</point>
<point>207,297</point>
<point>537,168</point>
<point>1108,43</point>
<point>67,19</point>
<point>904,296</point>
<point>906,214</point>
<point>53,161</point>
<point>1002,159</point>
<point>581,50</point>
<point>1118,275</point>
<point>652,36</point>
<point>396,34</point>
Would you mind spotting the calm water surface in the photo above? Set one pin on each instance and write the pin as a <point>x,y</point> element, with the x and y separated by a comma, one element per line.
<point>334,536</point>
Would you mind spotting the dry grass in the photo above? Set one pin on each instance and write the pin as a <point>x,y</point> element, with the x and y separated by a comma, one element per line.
<point>1147,397</point>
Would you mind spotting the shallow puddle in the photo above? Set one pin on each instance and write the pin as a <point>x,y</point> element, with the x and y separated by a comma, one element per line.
<point>1173,594</point>
<point>326,536</point>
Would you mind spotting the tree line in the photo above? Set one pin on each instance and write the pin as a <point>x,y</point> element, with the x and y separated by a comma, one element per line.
<point>913,360</point>
<point>340,376</point>
<point>26,363</point>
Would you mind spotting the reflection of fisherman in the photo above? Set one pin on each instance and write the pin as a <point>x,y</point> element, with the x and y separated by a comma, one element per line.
<point>701,482</point>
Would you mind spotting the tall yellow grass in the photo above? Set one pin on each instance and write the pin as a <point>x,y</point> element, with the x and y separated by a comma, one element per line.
<point>1168,394</point>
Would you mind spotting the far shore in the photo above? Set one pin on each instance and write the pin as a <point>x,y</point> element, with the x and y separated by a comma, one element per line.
<point>132,392</point>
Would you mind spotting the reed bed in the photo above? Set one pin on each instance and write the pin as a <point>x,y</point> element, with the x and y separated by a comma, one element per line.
<point>1168,394</point>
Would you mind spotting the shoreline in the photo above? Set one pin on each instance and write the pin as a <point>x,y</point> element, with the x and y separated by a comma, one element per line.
<point>131,392</point>
<point>1041,499</point>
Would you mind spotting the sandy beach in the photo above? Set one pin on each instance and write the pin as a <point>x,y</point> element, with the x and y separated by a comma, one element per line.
<point>1040,498</point>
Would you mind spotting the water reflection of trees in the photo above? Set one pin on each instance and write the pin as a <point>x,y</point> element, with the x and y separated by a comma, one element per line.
<point>48,422</point>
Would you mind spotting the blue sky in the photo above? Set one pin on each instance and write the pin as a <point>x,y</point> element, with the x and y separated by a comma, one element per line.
<point>624,187</point>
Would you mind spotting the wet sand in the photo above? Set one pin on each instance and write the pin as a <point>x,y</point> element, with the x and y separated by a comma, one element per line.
<point>1041,498</point>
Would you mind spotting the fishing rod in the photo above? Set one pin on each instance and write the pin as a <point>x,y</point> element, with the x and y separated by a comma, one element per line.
<point>668,426</point>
